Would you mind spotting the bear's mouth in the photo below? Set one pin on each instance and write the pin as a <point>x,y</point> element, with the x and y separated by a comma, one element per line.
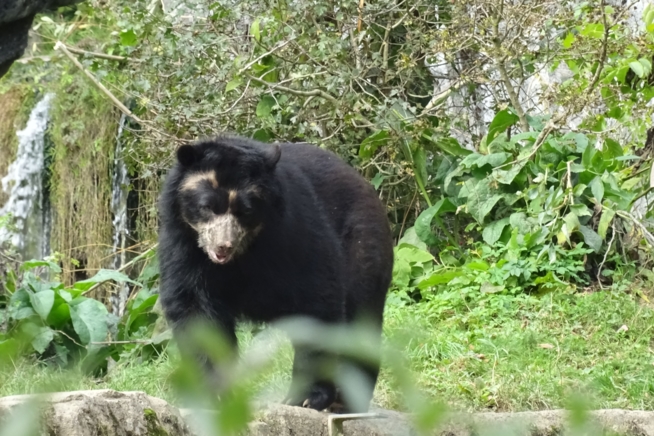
<point>220,255</point>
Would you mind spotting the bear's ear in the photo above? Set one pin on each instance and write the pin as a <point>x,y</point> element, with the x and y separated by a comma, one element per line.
<point>273,155</point>
<point>187,155</point>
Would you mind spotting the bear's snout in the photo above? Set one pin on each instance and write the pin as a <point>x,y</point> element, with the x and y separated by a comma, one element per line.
<point>222,253</point>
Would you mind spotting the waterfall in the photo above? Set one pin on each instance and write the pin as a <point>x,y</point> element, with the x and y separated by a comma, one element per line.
<point>28,228</point>
<point>119,191</point>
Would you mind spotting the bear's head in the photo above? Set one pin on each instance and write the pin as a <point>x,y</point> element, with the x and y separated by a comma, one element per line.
<point>226,192</point>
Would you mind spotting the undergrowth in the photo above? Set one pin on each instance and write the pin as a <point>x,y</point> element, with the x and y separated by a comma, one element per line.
<point>501,353</point>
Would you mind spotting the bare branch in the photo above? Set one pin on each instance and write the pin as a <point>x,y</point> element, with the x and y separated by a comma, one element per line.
<point>100,55</point>
<point>268,53</point>
<point>540,139</point>
<point>648,236</point>
<point>606,253</point>
<point>60,46</point>
<point>602,60</point>
<point>313,92</point>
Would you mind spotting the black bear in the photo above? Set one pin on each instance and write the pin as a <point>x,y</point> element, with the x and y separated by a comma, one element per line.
<point>269,231</point>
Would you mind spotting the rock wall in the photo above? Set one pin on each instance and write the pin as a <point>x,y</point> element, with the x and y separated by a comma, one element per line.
<point>107,412</point>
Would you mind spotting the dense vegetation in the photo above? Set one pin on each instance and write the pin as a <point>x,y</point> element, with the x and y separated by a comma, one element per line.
<point>510,142</point>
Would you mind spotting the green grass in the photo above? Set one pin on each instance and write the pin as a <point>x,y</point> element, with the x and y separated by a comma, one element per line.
<point>527,353</point>
<point>496,352</point>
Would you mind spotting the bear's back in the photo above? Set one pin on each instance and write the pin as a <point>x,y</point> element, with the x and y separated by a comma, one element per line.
<point>341,190</point>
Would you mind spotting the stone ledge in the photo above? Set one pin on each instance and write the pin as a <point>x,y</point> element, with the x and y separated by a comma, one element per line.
<point>108,412</point>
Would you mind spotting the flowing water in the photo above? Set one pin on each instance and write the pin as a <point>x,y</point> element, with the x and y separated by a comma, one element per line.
<point>119,188</point>
<point>29,227</point>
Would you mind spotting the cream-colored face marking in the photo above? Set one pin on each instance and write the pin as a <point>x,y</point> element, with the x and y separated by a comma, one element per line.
<point>194,180</point>
<point>221,237</point>
<point>232,197</point>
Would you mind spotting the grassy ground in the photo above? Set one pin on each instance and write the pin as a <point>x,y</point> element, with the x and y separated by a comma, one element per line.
<point>482,352</point>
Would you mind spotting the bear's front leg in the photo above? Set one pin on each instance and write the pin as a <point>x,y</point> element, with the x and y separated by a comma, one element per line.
<point>312,383</point>
<point>185,317</point>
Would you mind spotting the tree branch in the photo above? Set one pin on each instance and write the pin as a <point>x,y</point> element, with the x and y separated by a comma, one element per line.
<point>99,55</point>
<point>501,67</point>
<point>540,139</point>
<point>271,51</point>
<point>60,46</point>
<point>602,60</point>
<point>313,92</point>
<point>648,236</point>
<point>122,268</point>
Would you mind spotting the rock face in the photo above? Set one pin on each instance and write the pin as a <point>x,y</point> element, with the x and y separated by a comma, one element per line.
<point>16,17</point>
<point>107,412</point>
<point>101,412</point>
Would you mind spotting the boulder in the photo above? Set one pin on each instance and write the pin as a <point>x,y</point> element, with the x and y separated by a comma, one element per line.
<point>98,412</point>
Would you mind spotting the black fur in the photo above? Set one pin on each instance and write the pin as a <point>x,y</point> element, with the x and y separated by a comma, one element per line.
<point>323,246</point>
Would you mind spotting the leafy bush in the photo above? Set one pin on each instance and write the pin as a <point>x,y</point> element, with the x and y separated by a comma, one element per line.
<point>62,326</point>
<point>539,212</point>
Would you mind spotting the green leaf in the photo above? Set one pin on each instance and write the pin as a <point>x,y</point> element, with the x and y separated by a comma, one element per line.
<point>262,135</point>
<point>414,254</point>
<point>593,30</point>
<point>420,165</point>
<point>637,68</point>
<point>502,121</point>
<point>411,238</point>
<point>591,238</point>
<point>648,15</point>
<point>579,189</point>
<point>255,30</point>
<point>478,265</point>
<point>370,145</point>
<point>611,149</point>
<point>493,159</point>
<point>95,359</point>
<point>31,264</point>
<point>597,188</point>
<point>605,221</point>
<point>265,106</point>
<point>580,210</point>
<point>470,160</point>
<point>487,288</point>
<point>89,320</point>
<point>518,220</point>
<point>569,40</point>
<point>145,306</point>
<point>481,199</point>
<point>128,38</point>
<point>59,315</point>
<point>493,231</point>
<point>39,336</point>
<point>102,276</point>
<point>449,145</point>
<point>377,180</point>
<point>42,302</point>
<point>506,177</point>
<point>439,277</point>
<point>233,84</point>
<point>423,223</point>
<point>9,350</point>
<point>235,413</point>
<point>42,339</point>
<point>647,65</point>
<point>570,224</point>
<point>401,273</point>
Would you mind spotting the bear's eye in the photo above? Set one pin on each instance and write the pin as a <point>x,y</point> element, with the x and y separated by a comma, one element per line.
<point>205,208</point>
